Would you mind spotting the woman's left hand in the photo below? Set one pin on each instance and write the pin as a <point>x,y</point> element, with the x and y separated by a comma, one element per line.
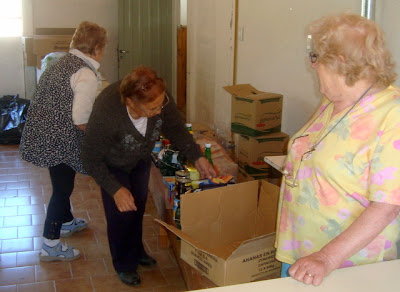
<point>312,269</point>
<point>205,169</point>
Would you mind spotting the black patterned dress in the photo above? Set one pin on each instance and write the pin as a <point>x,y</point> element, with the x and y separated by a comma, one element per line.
<point>50,136</point>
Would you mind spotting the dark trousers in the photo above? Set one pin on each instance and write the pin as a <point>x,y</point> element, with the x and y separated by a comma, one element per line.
<point>124,229</point>
<point>59,209</point>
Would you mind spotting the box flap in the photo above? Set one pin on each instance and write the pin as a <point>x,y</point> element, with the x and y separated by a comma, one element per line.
<point>254,244</point>
<point>224,252</point>
<point>242,90</point>
<point>267,208</point>
<point>218,217</point>
<point>182,235</point>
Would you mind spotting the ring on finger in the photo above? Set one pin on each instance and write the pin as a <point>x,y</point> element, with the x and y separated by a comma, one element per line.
<point>310,275</point>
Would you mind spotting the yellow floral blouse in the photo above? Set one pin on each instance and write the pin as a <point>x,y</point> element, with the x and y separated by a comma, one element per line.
<point>325,190</point>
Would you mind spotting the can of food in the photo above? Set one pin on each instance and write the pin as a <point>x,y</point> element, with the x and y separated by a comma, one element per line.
<point>182,174</point>
<point>183,186</point>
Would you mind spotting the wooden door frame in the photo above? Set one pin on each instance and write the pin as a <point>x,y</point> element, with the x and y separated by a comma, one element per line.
<point>181,67</point>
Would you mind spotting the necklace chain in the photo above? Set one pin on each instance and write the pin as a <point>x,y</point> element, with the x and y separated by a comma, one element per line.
<point>348,111</point>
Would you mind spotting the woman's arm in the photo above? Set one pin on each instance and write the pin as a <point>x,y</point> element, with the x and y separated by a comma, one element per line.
<point>82,127</point>
<point>359,234</point>
<point>100,134</point>
<point>84,85</point>
<point>174,129</point>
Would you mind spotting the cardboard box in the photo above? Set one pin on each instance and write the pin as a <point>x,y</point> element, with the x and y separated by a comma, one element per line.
<point>30,57</point>
<point>230,238</point>
<point>252,150</point>
<point>254,112</point>
<point>49,40</point>
<point>43,45</point>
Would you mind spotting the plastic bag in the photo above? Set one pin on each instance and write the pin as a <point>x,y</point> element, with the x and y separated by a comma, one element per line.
<point>50,58</point>
<point>13,112</point>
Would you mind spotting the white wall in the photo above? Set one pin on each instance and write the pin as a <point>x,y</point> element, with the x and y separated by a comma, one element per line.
<point>387,16</point>
<point>11,67</point>
<point>183,10</point>
<point>57,13</point>
<point>210,62</point>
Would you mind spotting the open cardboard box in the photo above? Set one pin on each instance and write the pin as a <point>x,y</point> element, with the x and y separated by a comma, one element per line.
<point>228,233</point>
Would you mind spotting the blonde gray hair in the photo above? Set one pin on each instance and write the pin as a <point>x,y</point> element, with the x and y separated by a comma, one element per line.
<point>88,37</point>
<point>353,46</point>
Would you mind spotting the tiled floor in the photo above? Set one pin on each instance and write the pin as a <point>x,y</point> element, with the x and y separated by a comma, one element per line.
<point>24,193</point>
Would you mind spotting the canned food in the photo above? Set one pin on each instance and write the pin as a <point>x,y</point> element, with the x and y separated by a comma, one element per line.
<point>183,186</point>
<point>182,174</point>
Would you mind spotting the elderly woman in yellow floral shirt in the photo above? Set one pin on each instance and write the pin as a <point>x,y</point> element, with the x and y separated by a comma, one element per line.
<point>340,199</point>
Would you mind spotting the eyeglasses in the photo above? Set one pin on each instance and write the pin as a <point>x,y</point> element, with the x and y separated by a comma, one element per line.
<point>291,180</point>
<point>313,57</point>
<point>154,110</point>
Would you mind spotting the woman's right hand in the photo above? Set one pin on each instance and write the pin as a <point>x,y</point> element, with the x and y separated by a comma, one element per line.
<point>124,200</point>
<point>313,268</point>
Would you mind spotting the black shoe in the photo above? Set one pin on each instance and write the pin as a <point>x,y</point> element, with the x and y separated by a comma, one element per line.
<point>129,278</point>
<point>147,260</point>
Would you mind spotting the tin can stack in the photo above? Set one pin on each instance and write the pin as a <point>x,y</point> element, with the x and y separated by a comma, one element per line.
<point>183,185</point>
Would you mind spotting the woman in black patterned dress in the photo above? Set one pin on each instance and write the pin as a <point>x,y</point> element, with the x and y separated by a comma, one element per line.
<point>55,128</point>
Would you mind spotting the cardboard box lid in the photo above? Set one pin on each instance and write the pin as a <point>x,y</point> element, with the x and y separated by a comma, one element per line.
<point>257,243</point>
<point>267,208</point>
<point>242,90</point>
<point>248,91</point>
<point>183,236</point>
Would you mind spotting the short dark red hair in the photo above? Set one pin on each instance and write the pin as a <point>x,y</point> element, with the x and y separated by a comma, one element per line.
<point>142,84</point>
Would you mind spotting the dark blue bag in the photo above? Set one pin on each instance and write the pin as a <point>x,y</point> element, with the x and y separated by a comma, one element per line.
<point>13,111</point>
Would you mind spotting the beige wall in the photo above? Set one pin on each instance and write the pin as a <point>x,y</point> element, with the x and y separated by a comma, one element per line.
<point>272,55</point>
<point>210,62</point>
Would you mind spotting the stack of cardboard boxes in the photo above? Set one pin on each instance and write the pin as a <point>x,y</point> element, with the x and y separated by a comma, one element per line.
<point>256,120</point>
<point>45,41</point>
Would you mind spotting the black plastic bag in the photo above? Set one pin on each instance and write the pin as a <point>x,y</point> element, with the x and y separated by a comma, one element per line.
<point>13,112</point>
<point>171,162</point>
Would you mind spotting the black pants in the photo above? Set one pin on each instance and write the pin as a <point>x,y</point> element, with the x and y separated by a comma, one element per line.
<point>124,229</point>
<point>59,209</point>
